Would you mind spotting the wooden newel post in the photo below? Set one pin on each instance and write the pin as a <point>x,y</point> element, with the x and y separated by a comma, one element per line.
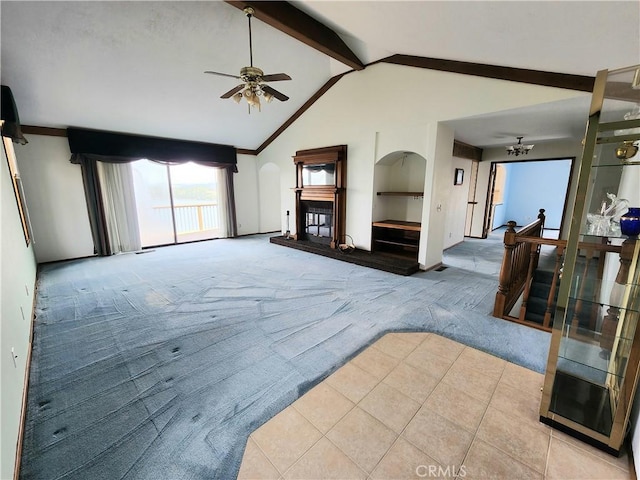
<point>505,270</point>
<point>542,218</point>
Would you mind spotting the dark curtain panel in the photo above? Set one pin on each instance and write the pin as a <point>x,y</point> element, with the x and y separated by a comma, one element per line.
<point>91,146</point>
<point>231,202</point>
<point>11,127</point>
<point>95,207</point>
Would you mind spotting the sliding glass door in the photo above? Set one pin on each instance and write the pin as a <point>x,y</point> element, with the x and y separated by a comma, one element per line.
<point>177,203</point>
<point>196,202</point>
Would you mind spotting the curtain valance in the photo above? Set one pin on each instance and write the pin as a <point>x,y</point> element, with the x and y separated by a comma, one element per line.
<point>9,114</point>
<point>114,147</point>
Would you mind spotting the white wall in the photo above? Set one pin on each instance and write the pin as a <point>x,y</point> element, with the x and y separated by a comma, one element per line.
<point>455,216</point>
<point>557,149</point>
<point>245,186</point>
<point>437,198</point>
<point>387,108</point>
<point>269,203</point>
<point>17,282</point>
<point>57,205</point>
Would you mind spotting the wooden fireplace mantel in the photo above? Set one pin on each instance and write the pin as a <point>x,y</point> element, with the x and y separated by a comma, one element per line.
<point>335,193</point>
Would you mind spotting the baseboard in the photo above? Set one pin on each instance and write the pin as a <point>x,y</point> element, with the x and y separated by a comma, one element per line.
<point>25,390</point>
<point>53,262</point>
<point>454,245</point>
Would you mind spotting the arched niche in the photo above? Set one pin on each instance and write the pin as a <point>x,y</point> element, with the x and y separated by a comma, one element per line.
<point>271,218</point>
<point>399,186</point>
<point>399,179</point>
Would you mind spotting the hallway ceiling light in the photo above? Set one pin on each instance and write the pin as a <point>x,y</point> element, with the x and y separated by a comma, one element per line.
<point>518,148</point>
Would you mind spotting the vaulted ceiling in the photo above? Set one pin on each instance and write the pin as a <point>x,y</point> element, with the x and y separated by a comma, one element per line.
<point>138,66</point>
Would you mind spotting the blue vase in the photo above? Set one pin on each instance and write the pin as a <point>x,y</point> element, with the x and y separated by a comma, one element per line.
<point>630,222</point>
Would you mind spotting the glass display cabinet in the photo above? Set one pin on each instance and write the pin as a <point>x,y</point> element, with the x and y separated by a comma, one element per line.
<point>594,356</point>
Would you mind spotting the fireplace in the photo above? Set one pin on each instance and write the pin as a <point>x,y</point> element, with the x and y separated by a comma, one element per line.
<point>318,221</point>
<point>320,195</point>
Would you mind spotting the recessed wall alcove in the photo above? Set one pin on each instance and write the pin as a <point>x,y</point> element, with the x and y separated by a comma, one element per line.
<point>397,207</point>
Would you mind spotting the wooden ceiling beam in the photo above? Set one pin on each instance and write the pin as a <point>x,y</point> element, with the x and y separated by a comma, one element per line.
<point>288,19</point>
<point>536,77</point>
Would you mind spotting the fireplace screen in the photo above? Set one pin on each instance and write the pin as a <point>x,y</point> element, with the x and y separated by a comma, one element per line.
<point>319,221</point>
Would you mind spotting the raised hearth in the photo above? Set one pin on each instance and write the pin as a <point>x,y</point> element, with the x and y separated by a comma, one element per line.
<point>379,261</point>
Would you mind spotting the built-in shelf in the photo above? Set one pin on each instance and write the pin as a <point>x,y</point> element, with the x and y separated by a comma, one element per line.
<point>402,194</point>
<point>398,225</point>
<point>405,244</point>
<point>397,236</point>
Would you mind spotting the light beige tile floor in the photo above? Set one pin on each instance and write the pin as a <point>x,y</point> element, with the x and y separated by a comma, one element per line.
<point>418,405</point>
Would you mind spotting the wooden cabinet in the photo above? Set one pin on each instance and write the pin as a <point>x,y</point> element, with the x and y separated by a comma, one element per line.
<point>396,236</point>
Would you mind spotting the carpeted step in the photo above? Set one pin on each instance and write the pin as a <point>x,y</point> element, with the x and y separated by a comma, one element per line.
<point>543,277</point>
<point>539,290</point>
<point>539,295</point>
<point>535,317</point>
<point>536,305</point>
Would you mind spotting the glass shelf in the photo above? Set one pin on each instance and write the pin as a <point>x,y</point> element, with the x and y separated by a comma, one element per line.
<point>606,163</point>
<point>591,361</point>
<point>589,307</point>
<point>604,154</point>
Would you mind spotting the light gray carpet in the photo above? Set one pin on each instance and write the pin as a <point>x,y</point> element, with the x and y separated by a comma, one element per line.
<point>159,365</point>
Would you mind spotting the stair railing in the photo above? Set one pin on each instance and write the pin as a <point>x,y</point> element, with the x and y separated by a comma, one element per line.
<point>519,261</point>
<point>589,252</point>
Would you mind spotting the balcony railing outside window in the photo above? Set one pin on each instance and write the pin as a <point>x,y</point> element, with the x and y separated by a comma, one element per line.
<point>190,218</point>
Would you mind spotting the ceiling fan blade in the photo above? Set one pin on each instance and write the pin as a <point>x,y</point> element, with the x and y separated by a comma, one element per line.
<point>276,77</point>
<point>280,96</point>
<point>222,74</point>
<point>233,91</point>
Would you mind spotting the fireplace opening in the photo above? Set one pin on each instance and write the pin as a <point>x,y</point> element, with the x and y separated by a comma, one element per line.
<point>318,221</point>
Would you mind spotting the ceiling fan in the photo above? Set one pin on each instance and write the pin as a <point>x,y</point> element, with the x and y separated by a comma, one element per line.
<point>254,79</point>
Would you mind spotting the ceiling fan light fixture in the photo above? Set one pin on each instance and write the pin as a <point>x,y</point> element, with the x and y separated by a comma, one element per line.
<point>252,99</point>
<point>253,79</point>
<point>519,148</point>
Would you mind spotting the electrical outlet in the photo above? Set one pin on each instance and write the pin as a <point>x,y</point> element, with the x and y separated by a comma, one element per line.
<point>13,357</point>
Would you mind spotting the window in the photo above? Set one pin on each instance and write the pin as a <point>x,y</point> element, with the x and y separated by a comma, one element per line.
<point>178,203</point>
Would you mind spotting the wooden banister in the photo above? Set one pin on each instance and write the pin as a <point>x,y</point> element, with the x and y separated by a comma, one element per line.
<point>519,263</point>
